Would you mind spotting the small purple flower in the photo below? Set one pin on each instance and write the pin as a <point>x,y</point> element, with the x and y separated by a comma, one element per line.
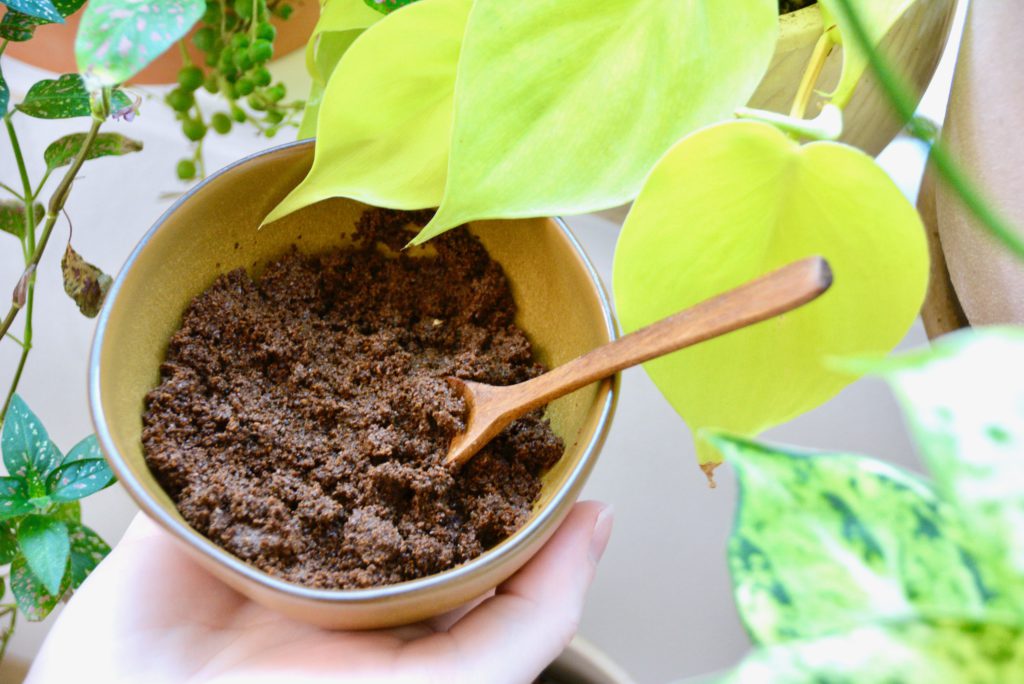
<point>128,113</point>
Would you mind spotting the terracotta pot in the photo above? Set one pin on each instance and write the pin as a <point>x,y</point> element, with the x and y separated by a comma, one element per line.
<point>914,45</point>
<point>53,46</point>
<point>213,230</point>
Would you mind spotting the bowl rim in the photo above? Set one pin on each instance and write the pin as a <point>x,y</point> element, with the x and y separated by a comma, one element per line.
<point>187,535</point>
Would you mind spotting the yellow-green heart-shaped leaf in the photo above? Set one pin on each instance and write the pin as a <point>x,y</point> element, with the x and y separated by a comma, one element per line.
<point>564,107</point>
<point>386,114</point>
<point>734,201</point>
<point>340,23</point>
<point>877,17</point>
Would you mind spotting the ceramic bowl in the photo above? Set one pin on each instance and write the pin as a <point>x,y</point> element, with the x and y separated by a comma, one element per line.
<point>212,230</point>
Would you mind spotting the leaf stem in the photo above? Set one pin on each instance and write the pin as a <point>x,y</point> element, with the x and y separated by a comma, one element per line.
<point>26,185</point>
<point>826,126</point>
<point>56,204</point>
<point>11,190</point>
<point>803,94</point>
<point>950,172</point>
<point>5,636</point>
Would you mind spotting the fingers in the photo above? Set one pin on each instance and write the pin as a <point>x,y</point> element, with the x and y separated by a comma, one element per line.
<point>512,636</point>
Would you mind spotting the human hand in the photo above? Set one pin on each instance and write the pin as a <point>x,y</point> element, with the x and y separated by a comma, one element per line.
<point>150,614</point>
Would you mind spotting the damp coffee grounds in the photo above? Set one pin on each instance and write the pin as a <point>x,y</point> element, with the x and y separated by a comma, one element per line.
<point>302,417</point>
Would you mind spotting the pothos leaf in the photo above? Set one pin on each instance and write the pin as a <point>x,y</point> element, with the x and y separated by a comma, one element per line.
<point>12,217</point>
<point>568,116</point>
<point>388,6</point>
<point>63,150</point>
<point>877,17</point>
<point>14,498</point>
<point>42,9</point>
<point>387,146</point>
<point>827,542</point>
<point>118,38</point>
<point>18,27</point>
<point>64,98</point>
<point>79,479</point>
<point>44,544</point>
<point>27,449</point>
<point>84,283</point>
<point>964,402</point>
<point>8,543</point>
<point>922,651</point>
<point>34,602</point>
<point>734,201</point>
<point>341,22</point>
<point>87,550</point>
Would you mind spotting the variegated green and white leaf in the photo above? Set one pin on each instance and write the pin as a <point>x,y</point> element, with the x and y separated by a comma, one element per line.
<point>87,550</point>
<point>34,602</point>
<point>826,542</point>
<point>912,652</point>
<point>964,402</point>
<point>118,38</point>
<point>63,98</point>
<point>27,449</point>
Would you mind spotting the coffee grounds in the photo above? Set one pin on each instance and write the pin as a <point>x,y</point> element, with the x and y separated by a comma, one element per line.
<point>302,418</point>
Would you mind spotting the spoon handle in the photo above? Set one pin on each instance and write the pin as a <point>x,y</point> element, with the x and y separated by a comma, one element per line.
<point>770,295</point>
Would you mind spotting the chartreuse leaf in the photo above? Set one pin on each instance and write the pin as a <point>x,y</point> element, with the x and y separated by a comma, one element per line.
<point>389,104</point>
<point>964,402</point>
<point>14,498</point>
<point>63,150</point>
<point>45,545</point>
<point>558,111</point>
<point>827,542</point>
<point>34,602</point>
<point>877,17</point>
<point>118,38</point>
<point>64,98</point>
<point>388,6</point>
<point>19,27</point>
<point>925,651</point>
<point>734,201</point>
<point>27,449</point>
<point>341,22</point>
<point>42,9</point>
<point>87,550</point>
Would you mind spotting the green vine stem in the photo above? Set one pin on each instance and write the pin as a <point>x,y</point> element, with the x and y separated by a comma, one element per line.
<point>5,636</point>
<point>803,94</point>
<point>948,169</point>
<point>56,204</point>
<point>826,126</point>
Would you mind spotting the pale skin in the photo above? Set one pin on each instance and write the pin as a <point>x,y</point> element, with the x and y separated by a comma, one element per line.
<point>150,614</point>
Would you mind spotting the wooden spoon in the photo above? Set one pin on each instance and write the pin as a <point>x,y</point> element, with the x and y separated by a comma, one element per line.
<point>492,408</point>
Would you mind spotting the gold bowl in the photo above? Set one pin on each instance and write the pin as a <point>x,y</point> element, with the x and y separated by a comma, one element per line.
<point>212,230</point>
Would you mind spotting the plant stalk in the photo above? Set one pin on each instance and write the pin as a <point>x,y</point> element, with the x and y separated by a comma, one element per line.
<point>950,172</point>
<point>803,94</point>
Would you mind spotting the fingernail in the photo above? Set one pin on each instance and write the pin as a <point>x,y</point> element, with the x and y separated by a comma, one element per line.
<point>602,533</point>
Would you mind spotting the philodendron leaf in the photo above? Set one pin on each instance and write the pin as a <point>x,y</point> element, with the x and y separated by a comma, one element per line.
<point>43,9</point>
<point>827,542</point>
<point>79,479</point>
<point>12,217</point>
<point>558,111</point>
<point>18,27</point>
<point>341,22</point>
<point>964,402</point>
<point>388,6</point>
<point>84,283</point>
<point>27,449</point>
<point>387,145</point>
<point>118,38</point>
<point>14,498</point>
<point>63,150</point>
<point>8,543</point>
<point>877,17</point>
<point>44,544</point>
<point>733,202</point>
<point>34,602</point>
<point>87,550</point>
<point>64,98</point>
<point>924,651</point>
